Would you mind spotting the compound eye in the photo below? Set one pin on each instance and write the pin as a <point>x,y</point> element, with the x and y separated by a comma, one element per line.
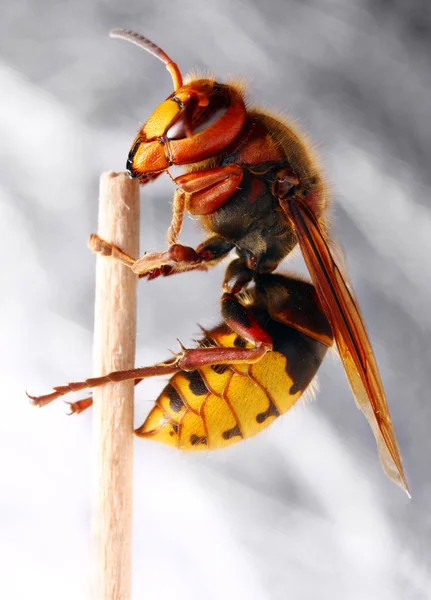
<point>195,117</point>
<point>210,119</point>
<point>183,125</point>
<point>177,131</point>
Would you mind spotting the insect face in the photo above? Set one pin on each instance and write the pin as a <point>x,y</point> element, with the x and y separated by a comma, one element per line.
<point>197,121</point>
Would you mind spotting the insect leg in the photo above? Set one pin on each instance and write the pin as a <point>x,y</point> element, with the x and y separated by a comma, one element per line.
<point>99,246</point>
<point>183,258</point>
<point>241,321</point>
<point>75,408</point>
<point>178,207</point>
<point>177,259</point>
<point>236,316</point>
<point>209,252</point>
<point>80,405</point>
<point>186,360</point>
<point>237,276</point>
<point>209,189</point>
<point>168,368</point>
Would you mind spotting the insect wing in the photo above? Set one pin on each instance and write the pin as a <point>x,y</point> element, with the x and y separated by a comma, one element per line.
<point>354,347</point>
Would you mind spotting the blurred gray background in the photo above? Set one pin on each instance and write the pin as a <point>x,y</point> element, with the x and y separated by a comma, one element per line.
<point>302,511</point>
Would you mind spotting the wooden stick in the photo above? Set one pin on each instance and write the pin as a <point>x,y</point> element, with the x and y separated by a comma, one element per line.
<point>114,349</point>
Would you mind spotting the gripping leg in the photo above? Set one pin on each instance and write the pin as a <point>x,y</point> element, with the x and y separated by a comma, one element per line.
<point>186,360</point>
<point>236,316</point>
<point>177,259</point>
<point>75,408</point>
<point>201,192</point>
<point>178,207</point>
<point>99,246</point>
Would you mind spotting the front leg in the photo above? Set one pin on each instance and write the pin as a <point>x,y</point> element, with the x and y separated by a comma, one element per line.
<point>210,189</point>
<point>200,193</point>
<point>177,259</point>
<point>178,208</point>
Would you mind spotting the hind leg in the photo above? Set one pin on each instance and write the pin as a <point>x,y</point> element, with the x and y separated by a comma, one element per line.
<point>237,317</point>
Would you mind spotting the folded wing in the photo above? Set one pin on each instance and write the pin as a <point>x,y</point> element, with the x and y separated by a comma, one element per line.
<point>340,306</point>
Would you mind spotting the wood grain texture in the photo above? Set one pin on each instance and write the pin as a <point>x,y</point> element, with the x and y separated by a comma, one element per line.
<point>114,349</point>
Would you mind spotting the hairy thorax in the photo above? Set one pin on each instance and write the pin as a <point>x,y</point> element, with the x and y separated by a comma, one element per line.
<point>252,218</point>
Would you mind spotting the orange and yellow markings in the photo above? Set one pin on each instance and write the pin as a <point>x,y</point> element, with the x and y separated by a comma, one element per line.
<point>221,423</point>
<point>271,374</point>
<point>219,405</point>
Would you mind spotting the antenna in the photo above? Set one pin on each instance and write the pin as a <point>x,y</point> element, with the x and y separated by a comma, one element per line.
<point>149,46</point>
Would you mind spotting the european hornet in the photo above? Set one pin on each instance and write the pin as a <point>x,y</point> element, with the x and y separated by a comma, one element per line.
<point>254,183</point>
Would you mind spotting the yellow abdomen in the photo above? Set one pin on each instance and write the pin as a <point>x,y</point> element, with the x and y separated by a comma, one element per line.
<point>216,406</point>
